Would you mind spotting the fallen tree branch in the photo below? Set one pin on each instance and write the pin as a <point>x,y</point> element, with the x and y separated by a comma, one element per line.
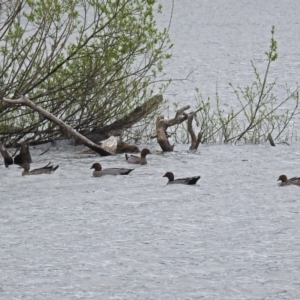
<point>127,121</point>
<point>66,129</point>
<point>162,125</point>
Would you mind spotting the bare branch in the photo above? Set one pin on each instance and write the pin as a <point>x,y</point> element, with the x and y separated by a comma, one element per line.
<point>15,101</point>
<point>45,151</point>
<point>66,129</point>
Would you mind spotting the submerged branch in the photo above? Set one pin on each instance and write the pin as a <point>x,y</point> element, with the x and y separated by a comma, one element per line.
<point>162,125</point>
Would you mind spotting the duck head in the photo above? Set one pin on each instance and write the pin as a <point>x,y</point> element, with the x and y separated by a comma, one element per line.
<point>144,152</point>
<point>96,166</point>
<point>170,176</point>
<point>282,178</point>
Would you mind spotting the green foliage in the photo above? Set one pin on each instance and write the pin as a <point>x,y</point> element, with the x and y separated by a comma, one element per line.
<point>258,111</point>
<point>89,62</point>
<point>272,54</point>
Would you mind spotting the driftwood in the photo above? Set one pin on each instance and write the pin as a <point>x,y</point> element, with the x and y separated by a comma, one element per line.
<point>6,156</point>
<point>271,140</point>
<point>110,144</point>
<point>162,125</point>
<point>126,148</point>
<point>195,140</point>
<point>66,129</point>
<point>24,156</point>
<point>127,121</point>
<point>97,135</point>
<point>121,148</point>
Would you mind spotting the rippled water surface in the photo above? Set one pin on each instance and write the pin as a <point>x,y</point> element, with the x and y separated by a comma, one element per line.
<point>235,235</point>
<point>216,40</point>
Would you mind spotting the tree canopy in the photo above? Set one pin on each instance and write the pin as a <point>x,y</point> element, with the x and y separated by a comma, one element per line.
<point>89,62</point>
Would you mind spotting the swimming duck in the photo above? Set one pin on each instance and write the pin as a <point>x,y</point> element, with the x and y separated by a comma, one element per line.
<point>7,158</point>
<point>98,172</point>
<point>48,169</point>
<point>285,181</point>
<point>132,159</point>
<point>187,180</point>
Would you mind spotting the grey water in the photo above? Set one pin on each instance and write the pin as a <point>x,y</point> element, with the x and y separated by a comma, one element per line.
<point>215,42</point>
<point>234,235</point>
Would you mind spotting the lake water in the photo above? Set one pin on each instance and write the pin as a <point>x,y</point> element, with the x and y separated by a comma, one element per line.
<point>216,40</point>
<point>235,235</point>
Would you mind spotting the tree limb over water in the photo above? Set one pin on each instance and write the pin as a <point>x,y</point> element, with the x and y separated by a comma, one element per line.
<point>65,128</point>
<point>96,69</point>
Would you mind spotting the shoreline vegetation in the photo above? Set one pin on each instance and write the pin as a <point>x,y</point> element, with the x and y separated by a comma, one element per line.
<point>89,80</point>
<point>95,65</point>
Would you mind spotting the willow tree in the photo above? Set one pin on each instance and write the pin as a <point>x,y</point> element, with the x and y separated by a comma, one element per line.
<point>91,63</point>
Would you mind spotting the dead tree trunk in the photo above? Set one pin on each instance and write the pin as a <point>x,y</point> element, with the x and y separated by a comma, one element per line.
<point>24,156</point>
<point>66,129</point>
<point>162,125</point>
<point>6,156</point>
<point>126,148</point>
<point>195,140</point>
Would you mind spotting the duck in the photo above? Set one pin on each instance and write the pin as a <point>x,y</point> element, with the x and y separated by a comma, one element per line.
<point>187,180</point>
<point>133,159</point>
<point>285,181</point>
<point>48,169</point>
<point>98,172</point>
<point>6,156</point>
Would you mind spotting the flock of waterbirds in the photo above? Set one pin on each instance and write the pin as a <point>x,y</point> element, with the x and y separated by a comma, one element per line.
<point>23,159</point>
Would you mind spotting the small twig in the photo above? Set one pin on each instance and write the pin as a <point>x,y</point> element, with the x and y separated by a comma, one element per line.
<point>45,151</point>
<point>198,110</point>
